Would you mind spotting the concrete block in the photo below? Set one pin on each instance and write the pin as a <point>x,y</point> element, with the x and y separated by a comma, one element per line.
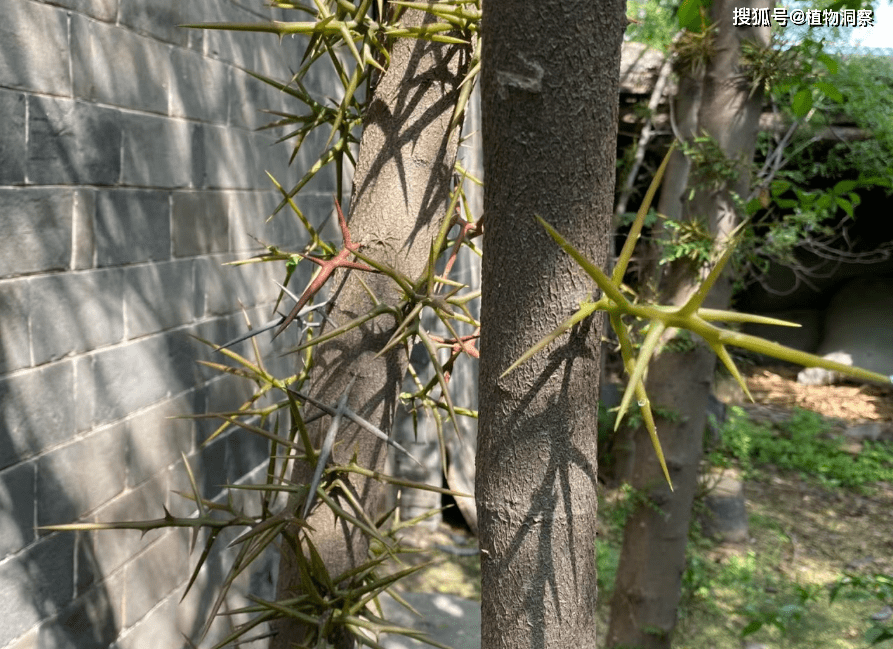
<point>156,437</point>
<point>258,10</point>
<point>280,363</point>
<point>249,97</point>
<point>179,487</point>
<point>90,622</point>
<point>128,377</point>
<point>324,182</point>
<point>245,451</point>
<point>101,553</point>
<point>75,312</point>
<point>15,343</point>
<point>157,18</point>
<point>221,330</point>
<point>216,331</point>
<point>16,508</point>
<point>231,159</point>
<point>857,323</point>
<point>105,10</point>
<point>196,40</point>
<point>239,324</point>
<point>72,143</point>
<point>201,12</point>
<point>36,411</point>
<point>274,161</point>
<point>79,477</point>
<point>192,611</point>
<point>249,501</point>
<point>38,237</point>
<point>114,66</point>
<point>225,287</point>
<point>275,62</point>
<point>35,584</point>
<point>154,630</point>
<point>250,219</point>
<point>199,155</point>
<point>286,229</point>
<point>157,152</point>
<point>154,574</point>
<point>224,394</point>
<point>158,296</point>
<point>209,466</point>
<point>84,395</point>
<point>35,48</point>
<point>132,226</point>
<point>12,137</point>
<point>200,87</point>
<point>83,237</point>
<point>237,48</point>
<point>248,211</point>
<point>199,223</point>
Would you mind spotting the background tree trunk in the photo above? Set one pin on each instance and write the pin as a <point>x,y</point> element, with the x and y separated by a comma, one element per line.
<point>401,191</point>
<point>550,104</point>
<point>652,561</point>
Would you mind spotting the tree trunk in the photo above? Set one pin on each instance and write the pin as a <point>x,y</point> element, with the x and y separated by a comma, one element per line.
<point>550,104</point>
<point>652,561</point>
<point>401,191</point>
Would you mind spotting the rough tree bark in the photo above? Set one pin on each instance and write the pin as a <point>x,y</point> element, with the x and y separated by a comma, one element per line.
<point>401,191</point>
<point>550,74</point>
<point>652,560</point>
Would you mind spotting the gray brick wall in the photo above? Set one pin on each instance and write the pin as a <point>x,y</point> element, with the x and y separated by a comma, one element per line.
<point>130,172</point>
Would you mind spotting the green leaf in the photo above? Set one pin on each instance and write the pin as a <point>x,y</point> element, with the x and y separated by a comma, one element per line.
<point>801,104</point>
<point>779,187</point>
<point>690,15</point>
<point>845,186</point>
<point>753,627</point>
<point>829,62</point>
<point>845,205</point>
<point>830,91</point>
<point>786,203</point>
<point>753,206</point>
<point>877,634</point>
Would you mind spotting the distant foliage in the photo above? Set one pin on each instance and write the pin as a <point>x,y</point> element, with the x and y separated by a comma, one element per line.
<point>655,22</point>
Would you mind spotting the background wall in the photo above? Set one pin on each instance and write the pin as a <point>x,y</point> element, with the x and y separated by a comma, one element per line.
<point>130,172</point>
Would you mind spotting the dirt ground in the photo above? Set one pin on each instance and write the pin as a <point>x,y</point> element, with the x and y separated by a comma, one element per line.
<point>778,387</point>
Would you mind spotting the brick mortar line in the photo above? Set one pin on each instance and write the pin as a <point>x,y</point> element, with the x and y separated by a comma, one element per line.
<point>137,111</point>
<point>123,343</point>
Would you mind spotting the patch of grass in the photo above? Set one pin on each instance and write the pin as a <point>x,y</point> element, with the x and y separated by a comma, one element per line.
<point>737,593</point>
<point>802,444</point>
